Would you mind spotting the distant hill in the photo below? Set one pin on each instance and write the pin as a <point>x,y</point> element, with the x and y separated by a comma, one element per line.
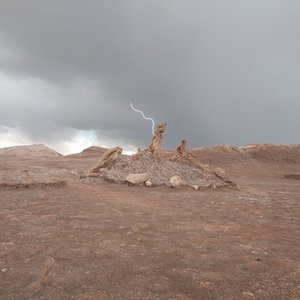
<point>36,150</point>
<point>93,151</point>
<point>224,154</point>
<point>273,152</point>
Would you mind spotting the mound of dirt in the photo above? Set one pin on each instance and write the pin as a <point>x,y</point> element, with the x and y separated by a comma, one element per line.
<point>35,175</point>
<point>20,174</point>
<point>36,150</point>
<point>273,153</point>
<point>160,171</point>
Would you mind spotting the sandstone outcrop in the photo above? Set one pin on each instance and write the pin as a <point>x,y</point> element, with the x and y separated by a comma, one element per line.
<point>181,152</point>
<point>157,138</point>
<point>106,160</point>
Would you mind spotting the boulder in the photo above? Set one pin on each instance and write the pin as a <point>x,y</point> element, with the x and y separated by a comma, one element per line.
<point>176,181</point>
<point>137,178</point>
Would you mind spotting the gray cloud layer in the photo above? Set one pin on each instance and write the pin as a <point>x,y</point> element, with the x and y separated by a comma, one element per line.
<point>216,71</point>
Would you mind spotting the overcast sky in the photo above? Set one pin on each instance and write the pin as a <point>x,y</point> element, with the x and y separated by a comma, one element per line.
<point>218,72</point>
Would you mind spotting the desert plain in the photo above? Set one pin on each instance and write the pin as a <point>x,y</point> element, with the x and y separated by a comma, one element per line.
<point>63,236</point>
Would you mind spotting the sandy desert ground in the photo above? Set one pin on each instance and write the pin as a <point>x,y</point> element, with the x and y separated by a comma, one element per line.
<point>66,238</point>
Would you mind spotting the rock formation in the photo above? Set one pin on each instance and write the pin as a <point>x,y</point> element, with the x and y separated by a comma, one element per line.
<point>157,138</point>
<point>181,170</point>
<point>138,154</point>
<point>181,152</point>
<point>108,157</point>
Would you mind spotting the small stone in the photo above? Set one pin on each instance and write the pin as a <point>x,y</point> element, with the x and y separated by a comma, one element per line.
<point>148,183</point>
<point>4,270</point>
<point>248,295</point>
<point>196,187</point>
<point>205,284</point>
<point>213,186</point>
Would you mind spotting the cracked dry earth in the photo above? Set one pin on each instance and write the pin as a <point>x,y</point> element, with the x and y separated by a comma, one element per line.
<point>108,241</point>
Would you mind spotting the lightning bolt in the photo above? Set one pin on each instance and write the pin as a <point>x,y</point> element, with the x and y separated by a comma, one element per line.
<point>146,118</point>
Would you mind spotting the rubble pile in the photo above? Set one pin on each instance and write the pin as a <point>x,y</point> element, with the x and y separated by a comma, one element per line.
<point>155,167</point>
<point>156,170</point>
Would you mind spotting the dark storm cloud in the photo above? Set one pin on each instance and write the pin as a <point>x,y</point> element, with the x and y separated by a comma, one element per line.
<point>215,71</point>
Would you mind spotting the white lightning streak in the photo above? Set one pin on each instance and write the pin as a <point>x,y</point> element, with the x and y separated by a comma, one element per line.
<point>146,118</point>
